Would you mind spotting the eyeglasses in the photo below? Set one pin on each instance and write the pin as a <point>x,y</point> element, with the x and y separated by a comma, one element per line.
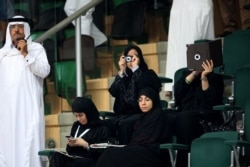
<point>13,26</point>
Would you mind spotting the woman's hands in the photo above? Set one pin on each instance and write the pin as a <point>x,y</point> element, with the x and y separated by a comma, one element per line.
<point>122,64</point>
<point>130,64</point>
<point>208,66</point>
<point>73,142</point>
<point>134,62</point>
<point>189,79</point>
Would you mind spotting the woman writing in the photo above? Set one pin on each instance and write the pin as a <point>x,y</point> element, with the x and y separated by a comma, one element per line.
<point>88,129</point>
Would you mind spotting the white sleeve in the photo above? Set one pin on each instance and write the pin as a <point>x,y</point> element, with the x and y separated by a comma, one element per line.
<point>37,61</point>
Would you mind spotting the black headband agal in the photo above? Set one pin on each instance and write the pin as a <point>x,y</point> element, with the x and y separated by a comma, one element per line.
<point>18,20</point>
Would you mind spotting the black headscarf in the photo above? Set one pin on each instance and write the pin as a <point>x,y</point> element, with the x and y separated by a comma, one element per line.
<point>153,95</point>
<point>86,105</point>
<point>142,64</point>
<point>152,128</point>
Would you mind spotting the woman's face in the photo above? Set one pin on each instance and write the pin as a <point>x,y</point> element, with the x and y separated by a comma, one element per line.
<point>145,103</point>
<point>81,118</point>
<point>134,58</point>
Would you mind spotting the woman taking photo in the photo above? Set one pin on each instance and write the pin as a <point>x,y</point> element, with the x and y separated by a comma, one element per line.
<point>133,76</point>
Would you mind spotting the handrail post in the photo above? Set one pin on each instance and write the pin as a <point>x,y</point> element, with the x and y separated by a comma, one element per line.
<point>77,17</point>
<point>67,20</point>
<point>78,57</point>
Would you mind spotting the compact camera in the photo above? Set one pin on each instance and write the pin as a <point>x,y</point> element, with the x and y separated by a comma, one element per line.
<point>128,58</point>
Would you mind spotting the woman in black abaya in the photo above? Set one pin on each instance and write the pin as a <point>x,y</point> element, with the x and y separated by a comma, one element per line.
<point>88,129</point>
<point>150,131</point>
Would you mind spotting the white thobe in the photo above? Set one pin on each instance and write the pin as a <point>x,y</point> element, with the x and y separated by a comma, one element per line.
<point>190,20</point>
<point>87,25</point>
<point>22,126</point>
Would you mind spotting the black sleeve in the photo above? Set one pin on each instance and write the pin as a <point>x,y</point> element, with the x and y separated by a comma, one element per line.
<point>140,80</point>
<point>151,129</point>
<point>115,87</point>
<point>192,97</point>
<point>120,84</point>
<point>214,94</point>
<point>182,89</point>
<point>98,134</point>
<point>126,89</point>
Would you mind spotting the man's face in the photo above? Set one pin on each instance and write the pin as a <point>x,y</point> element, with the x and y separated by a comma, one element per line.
<point>17,32</point>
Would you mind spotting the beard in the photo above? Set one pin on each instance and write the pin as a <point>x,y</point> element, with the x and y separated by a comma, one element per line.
<point>17,37</point>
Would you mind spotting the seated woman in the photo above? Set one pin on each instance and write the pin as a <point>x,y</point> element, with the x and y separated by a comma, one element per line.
<point>88,129</point>
<point>149,131</point>
<point>196,92</point>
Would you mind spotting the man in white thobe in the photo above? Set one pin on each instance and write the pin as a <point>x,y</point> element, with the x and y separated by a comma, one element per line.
<point>190,20</point>
<point>23,67</point>
<point>87,25</point>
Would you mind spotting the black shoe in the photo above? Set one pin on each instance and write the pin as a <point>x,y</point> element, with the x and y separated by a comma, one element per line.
<point>247,7</point>
<point>103,45</point>
<point>225,33</point>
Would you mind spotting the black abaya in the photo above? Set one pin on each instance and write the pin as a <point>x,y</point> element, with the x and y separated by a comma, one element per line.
<point>143,150</point>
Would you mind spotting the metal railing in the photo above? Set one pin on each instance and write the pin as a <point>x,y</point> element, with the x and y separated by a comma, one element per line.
<point>75,16</point>
<point>67,20</point>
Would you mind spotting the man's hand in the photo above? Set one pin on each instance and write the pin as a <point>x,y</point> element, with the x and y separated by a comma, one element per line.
<point>22,46</point>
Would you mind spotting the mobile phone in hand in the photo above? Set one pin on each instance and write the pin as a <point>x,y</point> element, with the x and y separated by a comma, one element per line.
<point>70,138</point>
